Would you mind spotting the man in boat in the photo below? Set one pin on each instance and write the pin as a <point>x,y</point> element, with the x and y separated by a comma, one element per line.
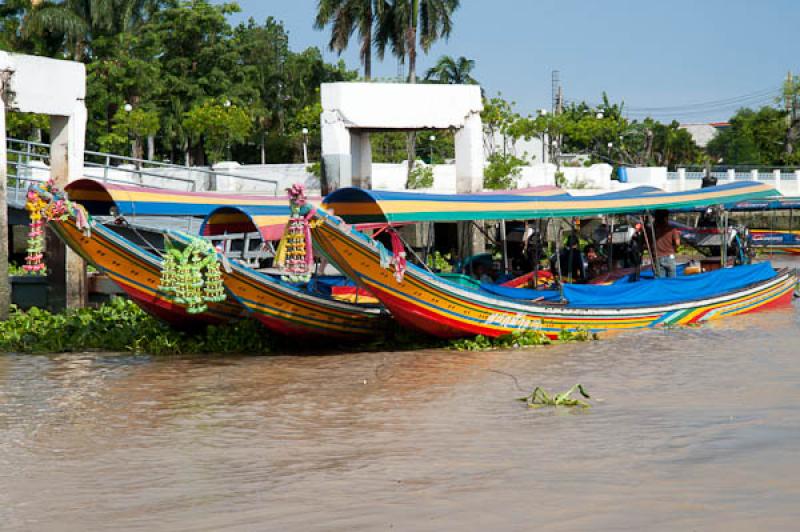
<point>571,261</point>
<point>668,239</point>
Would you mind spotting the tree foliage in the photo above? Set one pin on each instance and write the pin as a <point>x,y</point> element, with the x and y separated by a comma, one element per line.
<point>452,71</point>
<point>166,59</point>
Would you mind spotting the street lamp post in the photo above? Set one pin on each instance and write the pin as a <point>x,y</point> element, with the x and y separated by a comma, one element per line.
<point>128,108</point>
<point>305,145</point>
<point>432,138</point>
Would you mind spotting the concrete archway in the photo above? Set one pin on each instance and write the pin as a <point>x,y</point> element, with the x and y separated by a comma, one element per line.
<point>33,84</point>
<point>350,111</point>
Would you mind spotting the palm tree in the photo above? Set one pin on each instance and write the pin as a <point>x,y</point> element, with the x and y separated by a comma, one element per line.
<point>452,71</point>
<point>406,25</point>
<point>78,20</point>
<point>346,17</point>
<point>410,24</point>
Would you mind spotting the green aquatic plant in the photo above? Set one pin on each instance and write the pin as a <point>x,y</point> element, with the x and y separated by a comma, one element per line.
<point>518,339</point>
<point>540,398</point>
<point>120,325</point>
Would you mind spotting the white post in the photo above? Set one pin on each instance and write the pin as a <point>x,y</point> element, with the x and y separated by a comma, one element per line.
<point>336,153</point>
<point>754,175</point>
<point>469,155</point>
<point>681,178</point>
<point>731,174</point>
<point>66,269</point>
<point>5,282</point>
<point>777,176</point>
<point>361,150</point>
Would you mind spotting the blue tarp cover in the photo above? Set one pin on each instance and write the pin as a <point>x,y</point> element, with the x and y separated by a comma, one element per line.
<point>646,292</point>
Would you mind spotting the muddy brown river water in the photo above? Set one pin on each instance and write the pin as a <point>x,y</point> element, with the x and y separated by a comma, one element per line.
<point>691,429</point>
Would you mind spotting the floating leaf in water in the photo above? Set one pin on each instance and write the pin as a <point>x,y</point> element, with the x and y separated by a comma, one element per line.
<point>540,398</point>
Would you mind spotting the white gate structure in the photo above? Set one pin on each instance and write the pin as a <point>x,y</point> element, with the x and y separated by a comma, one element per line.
<point>351,111</point>
<point>32,84</point>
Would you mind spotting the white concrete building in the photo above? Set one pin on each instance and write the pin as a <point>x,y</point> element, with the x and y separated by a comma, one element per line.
<point>350,111</point>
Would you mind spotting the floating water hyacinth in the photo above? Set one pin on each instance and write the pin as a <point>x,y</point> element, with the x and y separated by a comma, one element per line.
<point>539,398</point>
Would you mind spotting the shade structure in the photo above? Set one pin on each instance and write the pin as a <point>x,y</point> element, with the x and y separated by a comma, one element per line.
<point>269,220</point>
<point>132,200</point>
<point>355,205</point>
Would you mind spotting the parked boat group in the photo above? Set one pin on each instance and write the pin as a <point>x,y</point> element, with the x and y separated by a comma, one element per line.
<point>338,267</point>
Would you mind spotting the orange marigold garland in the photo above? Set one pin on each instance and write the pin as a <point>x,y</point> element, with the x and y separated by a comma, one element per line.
<point>46,203</point>
<point>35,205</point>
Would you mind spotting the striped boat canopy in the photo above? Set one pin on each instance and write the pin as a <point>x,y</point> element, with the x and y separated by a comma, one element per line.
<point>354,205</point>
<point>767,204</point>
<point>130,200</point>
<point>268,220</point>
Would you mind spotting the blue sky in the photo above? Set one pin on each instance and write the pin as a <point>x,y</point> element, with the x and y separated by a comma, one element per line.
<point>692,60</point>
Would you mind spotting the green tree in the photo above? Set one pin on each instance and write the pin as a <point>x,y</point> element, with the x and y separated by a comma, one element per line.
<point>217,125</point>
<point>452,71</point>
<point>754,137</point>
<point>405,26</point>
<point>130,126</point>
<point>346,17</point>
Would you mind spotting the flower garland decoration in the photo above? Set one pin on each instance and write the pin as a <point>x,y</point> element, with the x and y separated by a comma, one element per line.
<point>191,275</point>
<point>295,253</point>
<point>34,261</point>
<point>46,203</point>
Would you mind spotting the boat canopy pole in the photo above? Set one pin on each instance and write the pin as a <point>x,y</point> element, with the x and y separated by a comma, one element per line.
<point>559,234</point>
<point>647,243</point>
<point>505,245</point>
<point>610,242</point>
<point>724,241</point>
<point>654,251</point>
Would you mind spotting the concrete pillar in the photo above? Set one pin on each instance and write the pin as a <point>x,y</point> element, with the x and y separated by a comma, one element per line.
<point>681,178</point>
<point>754,175</point>
<point>66,270</point>
<point>469,155</point>
<point>777,176</point>
<point>361,160</point>
<point>469,178</point>
<point>5,286</point>
<point>336,153</point>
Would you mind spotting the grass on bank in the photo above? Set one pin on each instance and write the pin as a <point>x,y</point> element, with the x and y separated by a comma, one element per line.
<point>120,325</point>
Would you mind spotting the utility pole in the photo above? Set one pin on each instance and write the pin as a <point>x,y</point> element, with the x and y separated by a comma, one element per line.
<point>5,283</point>
<point>557,95</point>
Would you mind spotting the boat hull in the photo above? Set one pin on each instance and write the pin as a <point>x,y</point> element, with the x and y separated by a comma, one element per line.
<point>292,312</point>
<point>138,274</point>
<point>423,302</point>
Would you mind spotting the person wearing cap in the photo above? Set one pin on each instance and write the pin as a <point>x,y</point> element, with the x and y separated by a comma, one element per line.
<point>668,239</point>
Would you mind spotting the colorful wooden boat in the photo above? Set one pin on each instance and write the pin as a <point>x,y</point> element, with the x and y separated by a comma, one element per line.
<point>137,267</point>
<point>294,309</point>
<point>425,302</point>
<point>137,272</point>
<point>769,241</point>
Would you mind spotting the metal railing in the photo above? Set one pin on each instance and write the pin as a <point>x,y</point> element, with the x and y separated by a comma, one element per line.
<point>26,158</point>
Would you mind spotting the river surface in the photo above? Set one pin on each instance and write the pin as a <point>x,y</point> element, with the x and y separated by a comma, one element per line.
<point>690,429</point>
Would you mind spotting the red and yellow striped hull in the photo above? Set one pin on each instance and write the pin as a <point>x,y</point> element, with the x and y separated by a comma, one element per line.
<point>289,311</point>
<point>138,274</point>
<point>426,303</point>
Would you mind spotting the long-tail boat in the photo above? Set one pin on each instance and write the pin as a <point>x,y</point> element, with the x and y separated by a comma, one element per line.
<point>423,301</point>
<point>130,257</point>
<point>297,304</point>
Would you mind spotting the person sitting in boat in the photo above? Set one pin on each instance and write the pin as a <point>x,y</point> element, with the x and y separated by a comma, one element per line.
<point>633,252</point>
<point>668,238</point>
<point>595,261</point>
<point>482,271</point>
<point>571,261</point>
